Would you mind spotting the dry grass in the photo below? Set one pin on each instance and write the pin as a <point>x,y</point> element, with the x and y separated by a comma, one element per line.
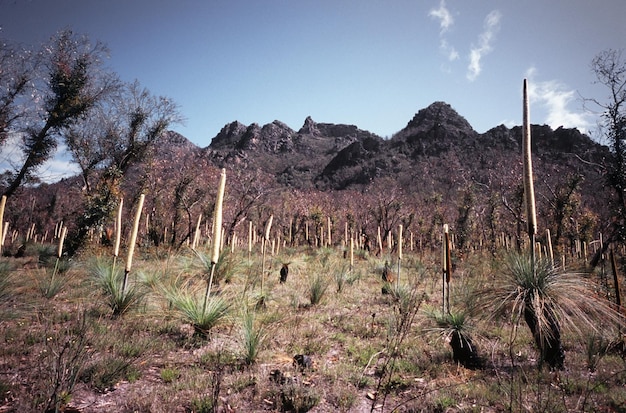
<point>369,351</point>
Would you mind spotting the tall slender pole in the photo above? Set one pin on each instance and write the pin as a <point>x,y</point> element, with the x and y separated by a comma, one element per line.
<point>3,202</point>
<point>529,190</point>
<point>217,234</point>
<point>447,269</point>
<point>399,253</point>
<point>133,241</point>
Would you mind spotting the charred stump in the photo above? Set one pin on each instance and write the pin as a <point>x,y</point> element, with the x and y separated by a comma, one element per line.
<point>463,350</point>
<point>548,342</point>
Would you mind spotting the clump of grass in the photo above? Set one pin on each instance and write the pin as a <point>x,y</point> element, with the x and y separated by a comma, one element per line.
<point>225,267</point>
<point>110,280</point>
<point>5,280</point>
<point>344,276</point>
<point>104,374</point>
<point>50,283</point>
<point>203,314</point>
<point>202,404</point>
<point>596,348</point>
<point>252,337</point>
<point>403,314</point>
<point>318,285</point>
<point>169,375</point>
<point>294,397</point>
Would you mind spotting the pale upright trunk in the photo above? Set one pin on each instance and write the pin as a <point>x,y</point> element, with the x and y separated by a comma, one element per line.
<point>133,241</point>
<point>217,233</point>
<point>3,202</point>
<point>529,188</point>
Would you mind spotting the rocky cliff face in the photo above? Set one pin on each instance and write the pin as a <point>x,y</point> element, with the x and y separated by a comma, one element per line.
<point>437,150</point>
<point>293,158</point>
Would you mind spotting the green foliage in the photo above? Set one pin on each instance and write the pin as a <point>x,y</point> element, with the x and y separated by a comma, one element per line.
<point>443,403</point>
<point>344,276</point>
<point>168,375</point>
<point>252,337</point>
<point>5,280</point>
<point>110,280</point>
<point>449,322</point>
<point>455,329</point>
<point>318,285</point>
<point>5,388</point>
<point>596,348</point>
<point>203,404</point>
<point>405,307</point>
<point>54,280</point>
<point>191,306</point>
<point>71,91</point>
<point>225,267</point>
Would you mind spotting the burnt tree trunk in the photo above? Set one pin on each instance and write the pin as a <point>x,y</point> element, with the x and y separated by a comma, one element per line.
<point>548,342</point>
<point>464,351</point>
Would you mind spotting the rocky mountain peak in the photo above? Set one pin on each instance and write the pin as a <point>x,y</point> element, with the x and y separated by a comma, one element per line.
<point>309,127</point>
<point>229,135</point>
<point>436,115</point>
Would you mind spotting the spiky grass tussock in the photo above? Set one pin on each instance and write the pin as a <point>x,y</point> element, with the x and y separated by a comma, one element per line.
<point>455,329</point>
<point>110,280</point>
<point>50,284</point>
<point>5,280</point>
<point>252,337</point>
<point>191,305</point>
<point>225,267</point>
<point>318,284</point>
<point>548,299</point>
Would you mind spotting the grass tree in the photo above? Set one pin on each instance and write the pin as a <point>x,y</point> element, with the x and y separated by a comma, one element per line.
<point>252,337</point>
<point>120,295</point>
<point>455,328</point>
<point>202,315</point>
<point>110,280</point>
<point>548,299</point>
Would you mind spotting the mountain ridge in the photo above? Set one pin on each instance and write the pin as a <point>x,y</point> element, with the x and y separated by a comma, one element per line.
<point>329,156</point>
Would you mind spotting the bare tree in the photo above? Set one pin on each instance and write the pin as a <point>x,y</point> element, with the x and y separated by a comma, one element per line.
<point>248,190</point>
<point>609,68</point>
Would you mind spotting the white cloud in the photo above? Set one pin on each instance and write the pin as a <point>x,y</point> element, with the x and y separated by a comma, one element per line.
<point>446,21</point>
<point>555,98</point>
<point>443,15</point>
<point>448,50</point>
<point>485,41</point>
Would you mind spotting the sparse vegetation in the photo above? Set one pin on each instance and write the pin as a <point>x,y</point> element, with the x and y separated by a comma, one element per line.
<point>194,331</point>
<point>365,348</point>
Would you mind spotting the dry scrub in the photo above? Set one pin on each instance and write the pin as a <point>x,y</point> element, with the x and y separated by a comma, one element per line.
<point>360,350</point>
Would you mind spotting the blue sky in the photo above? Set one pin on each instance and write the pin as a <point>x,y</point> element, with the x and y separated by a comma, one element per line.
<point>371,63</point>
